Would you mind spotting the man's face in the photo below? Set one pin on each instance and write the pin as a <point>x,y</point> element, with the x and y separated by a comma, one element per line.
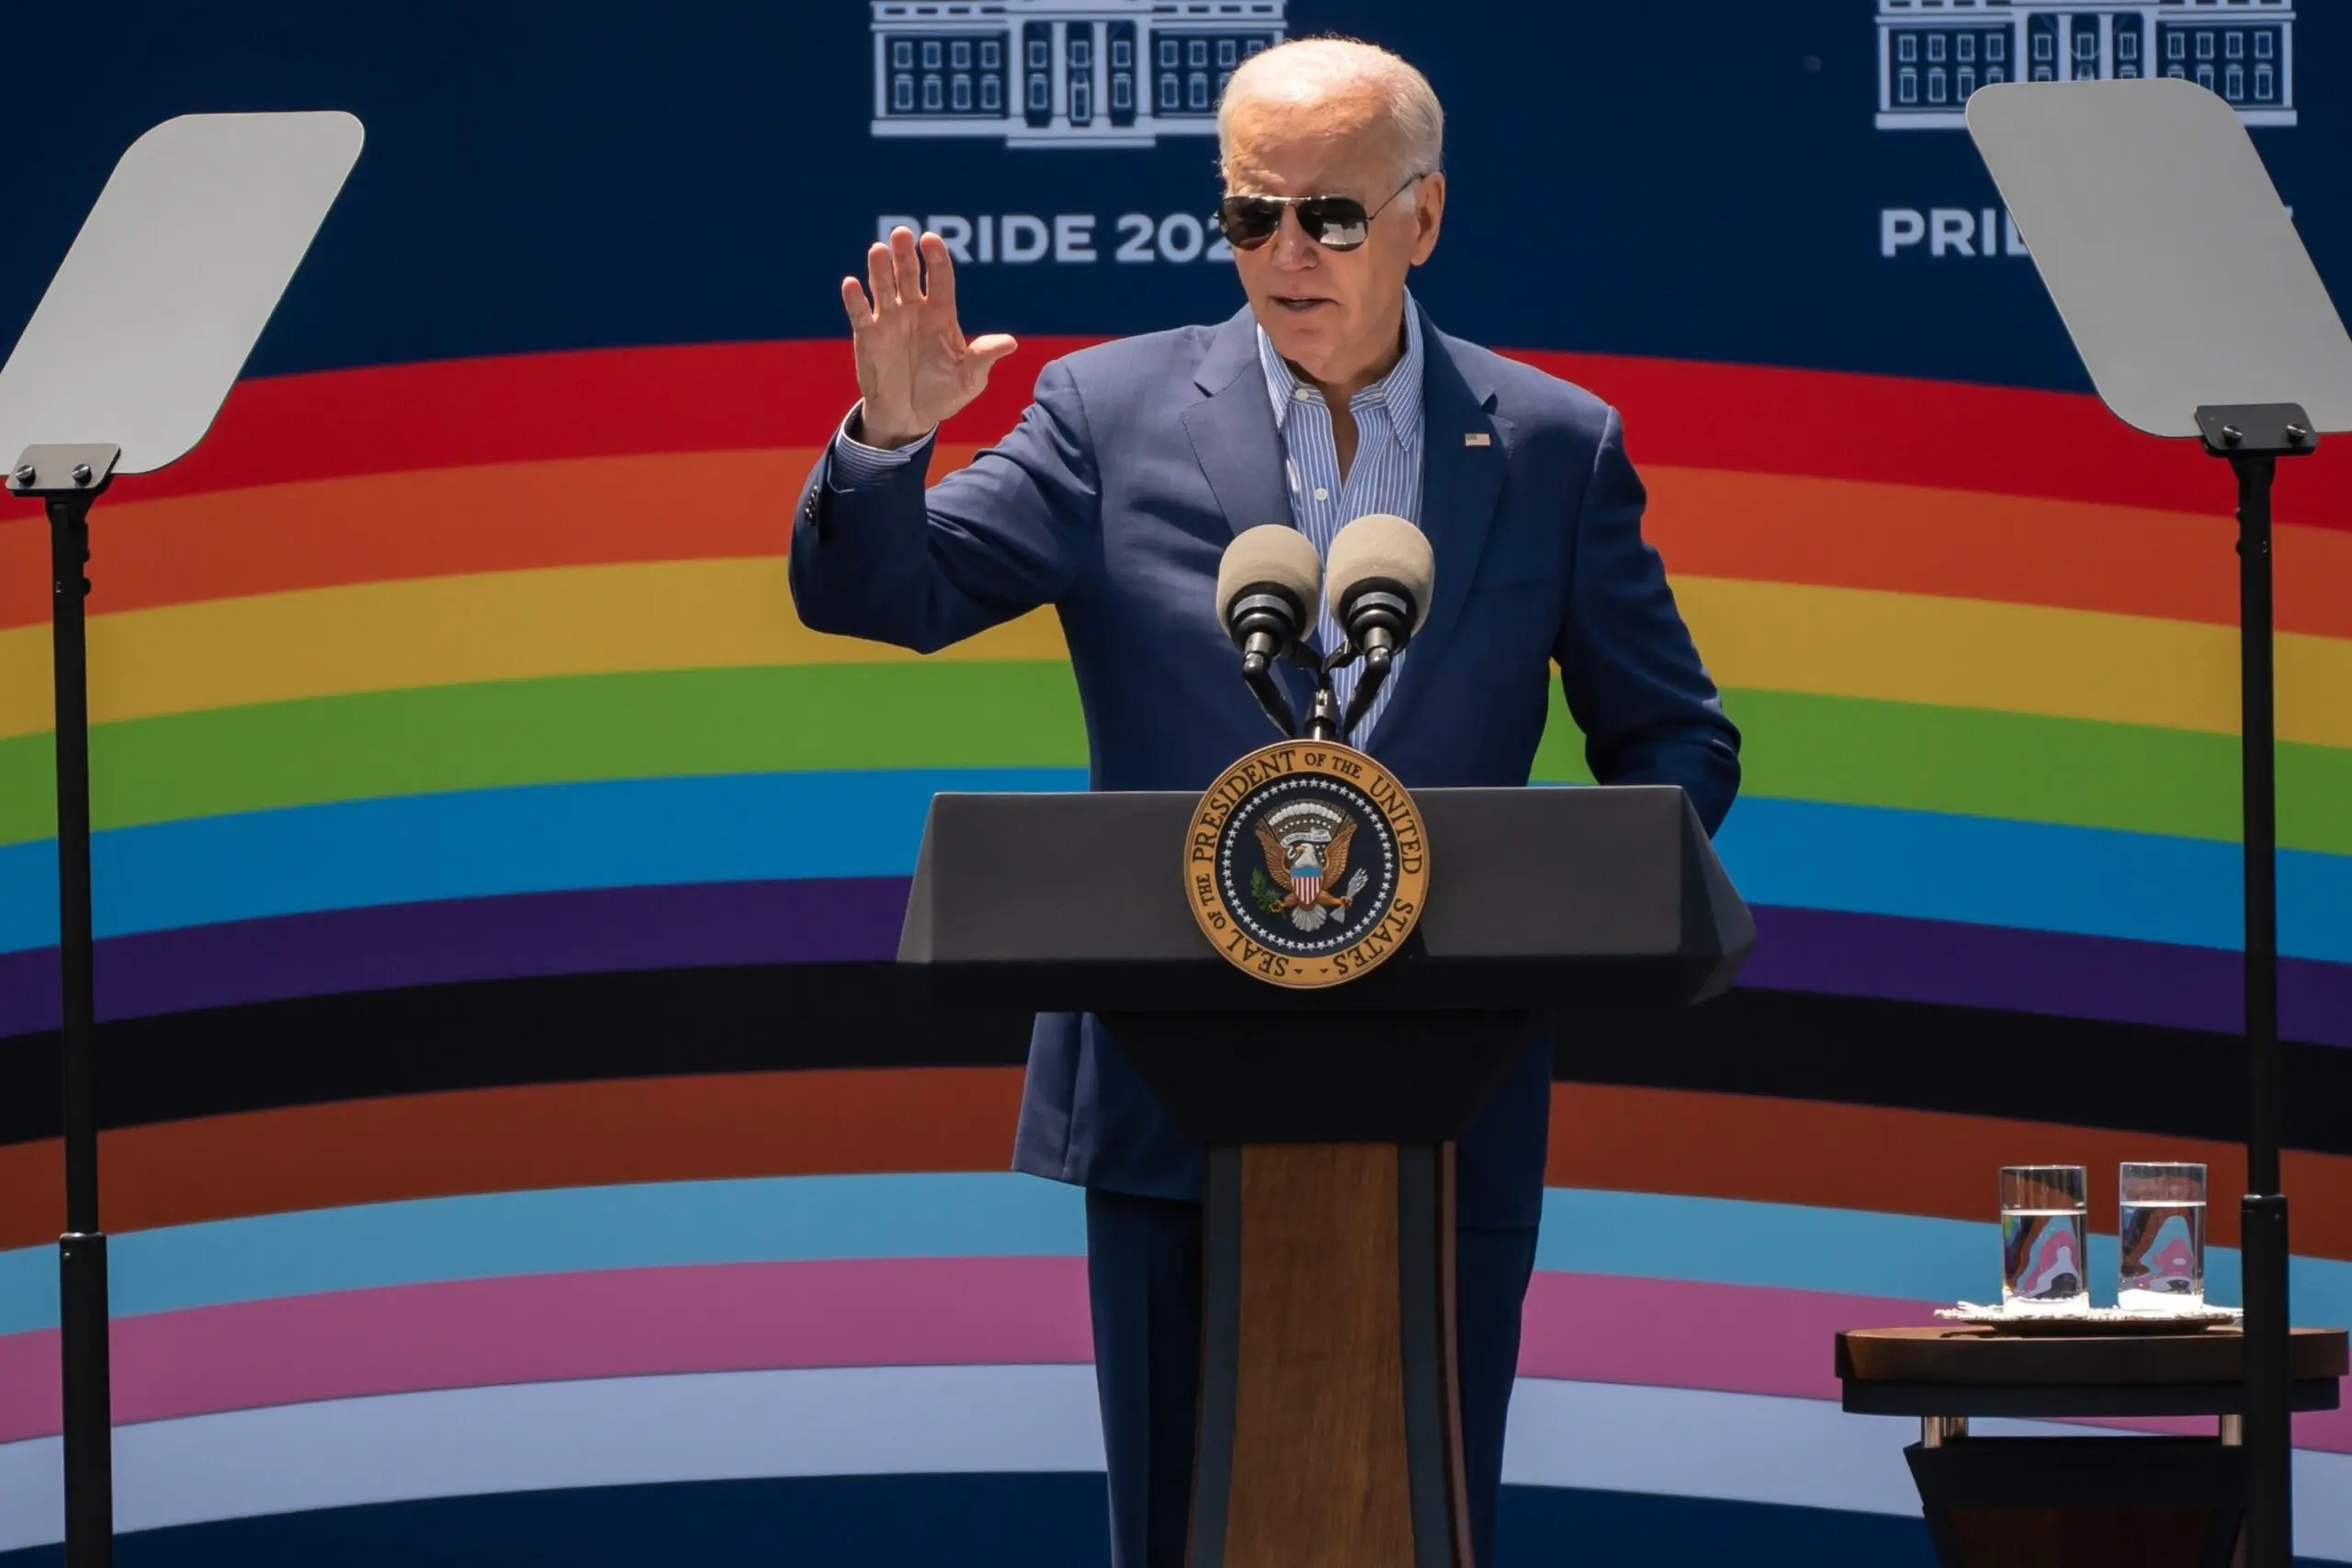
<point>1331,313</point>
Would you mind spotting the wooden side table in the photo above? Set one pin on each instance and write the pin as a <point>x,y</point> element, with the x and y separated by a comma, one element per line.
<point>2075,1502</point>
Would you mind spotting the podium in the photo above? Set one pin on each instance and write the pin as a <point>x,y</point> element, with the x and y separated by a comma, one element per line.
<point>1330,1428</point>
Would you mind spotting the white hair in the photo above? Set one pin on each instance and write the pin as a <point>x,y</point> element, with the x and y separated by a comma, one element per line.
<point>1307,69</point>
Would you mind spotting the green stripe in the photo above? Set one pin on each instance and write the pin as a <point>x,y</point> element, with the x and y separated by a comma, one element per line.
<point>2027,766</point>
<point>652,725</point>
<point>973,713</point>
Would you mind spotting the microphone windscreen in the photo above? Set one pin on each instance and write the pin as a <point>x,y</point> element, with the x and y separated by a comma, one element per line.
<point>1271,555</point>
<point>1378,547</point>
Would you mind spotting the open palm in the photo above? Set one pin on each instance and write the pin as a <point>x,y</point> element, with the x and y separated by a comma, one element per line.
<point>914,366</point>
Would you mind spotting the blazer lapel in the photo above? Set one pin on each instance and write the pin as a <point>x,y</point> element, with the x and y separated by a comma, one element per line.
<point>1461,481</point>
<point>1233,431</point>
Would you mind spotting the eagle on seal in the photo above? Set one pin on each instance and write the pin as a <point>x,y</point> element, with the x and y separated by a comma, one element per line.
<point>1308,868</point>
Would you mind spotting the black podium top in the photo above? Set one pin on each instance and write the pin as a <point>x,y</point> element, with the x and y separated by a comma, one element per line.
<point>1538,899</point>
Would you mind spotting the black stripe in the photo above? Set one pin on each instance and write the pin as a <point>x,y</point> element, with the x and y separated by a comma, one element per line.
<point>578,1028</point>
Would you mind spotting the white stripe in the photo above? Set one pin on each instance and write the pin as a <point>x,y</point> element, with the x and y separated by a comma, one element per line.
<point>933,1420</point>
<point>612,1432</point>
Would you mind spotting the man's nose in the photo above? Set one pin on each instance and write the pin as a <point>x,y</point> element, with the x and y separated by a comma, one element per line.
<point>1294,247</point>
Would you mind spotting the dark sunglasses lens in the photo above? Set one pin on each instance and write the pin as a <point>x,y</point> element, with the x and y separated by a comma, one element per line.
<point>1338,222</point>
<point>1248,222</point>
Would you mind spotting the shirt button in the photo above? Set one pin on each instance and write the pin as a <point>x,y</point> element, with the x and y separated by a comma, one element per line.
<point>1322,494</point>
<point>1303,395</point>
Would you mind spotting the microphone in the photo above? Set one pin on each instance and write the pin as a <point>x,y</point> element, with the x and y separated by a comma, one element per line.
<point>1380,572</point>
<point>1267,586</point>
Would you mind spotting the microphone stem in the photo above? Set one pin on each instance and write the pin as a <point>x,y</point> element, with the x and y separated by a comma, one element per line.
<point>1269,692</point>
<point>1325,725</point>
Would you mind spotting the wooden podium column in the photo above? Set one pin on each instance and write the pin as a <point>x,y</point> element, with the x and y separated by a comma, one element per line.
<point>1329,1422</point>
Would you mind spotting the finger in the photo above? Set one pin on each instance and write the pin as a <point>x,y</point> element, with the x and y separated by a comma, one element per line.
<point>994,346</point>
<point>881,277</point>
<point>910,265</point>
<point>939,275</point>
<point>853,303</point>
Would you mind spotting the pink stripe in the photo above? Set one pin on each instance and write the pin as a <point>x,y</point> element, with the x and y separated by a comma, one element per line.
<point>542,1328</point>
<point>1748,1339</point>
<point>954,1312</point>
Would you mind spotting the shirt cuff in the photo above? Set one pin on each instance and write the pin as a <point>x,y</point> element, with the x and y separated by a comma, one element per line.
<point>855,461</point>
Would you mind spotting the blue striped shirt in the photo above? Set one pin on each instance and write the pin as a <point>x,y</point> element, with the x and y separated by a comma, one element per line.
<point>1384,476</point>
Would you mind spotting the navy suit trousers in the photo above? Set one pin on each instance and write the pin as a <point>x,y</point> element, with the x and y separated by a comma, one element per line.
<point>1143,1269</point>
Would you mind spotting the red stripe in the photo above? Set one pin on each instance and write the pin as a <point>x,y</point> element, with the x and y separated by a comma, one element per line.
<point>721,397</point>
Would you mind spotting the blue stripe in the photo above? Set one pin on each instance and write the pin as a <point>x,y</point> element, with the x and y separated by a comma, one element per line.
<point>964,1215</point>
<point>481,843</point>
<point>2039,876</point>
<point>743,827</point>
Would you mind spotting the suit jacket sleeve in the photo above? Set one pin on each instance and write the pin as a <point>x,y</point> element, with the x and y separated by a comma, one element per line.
<point>875,555</point>
<point>1634,683</point>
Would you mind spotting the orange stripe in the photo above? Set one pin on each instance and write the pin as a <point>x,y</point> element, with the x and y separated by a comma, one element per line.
<point>1960,544</point>
<point>1786,528</point>
<point>1720,1145</point>
<point>433,523</point>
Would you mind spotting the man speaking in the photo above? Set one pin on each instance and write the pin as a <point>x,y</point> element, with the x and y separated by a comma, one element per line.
<point>1330,396</point>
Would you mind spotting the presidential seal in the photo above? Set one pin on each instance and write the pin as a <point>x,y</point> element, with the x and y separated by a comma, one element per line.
<point>1306,864</point>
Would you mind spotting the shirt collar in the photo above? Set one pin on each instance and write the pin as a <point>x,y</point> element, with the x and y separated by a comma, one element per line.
<point>1399,391</point>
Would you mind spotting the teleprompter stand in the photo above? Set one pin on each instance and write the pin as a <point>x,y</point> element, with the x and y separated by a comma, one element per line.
<point>175,272</point>
<point>2196,311</point>
<point>2252,438</point>
<point>1329,1426</point>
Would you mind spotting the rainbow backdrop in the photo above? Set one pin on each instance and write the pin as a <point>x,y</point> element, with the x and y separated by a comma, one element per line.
<point>488,668</point>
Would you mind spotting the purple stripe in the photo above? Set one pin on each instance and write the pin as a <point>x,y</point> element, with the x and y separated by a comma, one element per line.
<point>2108,978</point>
<point>603,930</point>
<point>857,918</point>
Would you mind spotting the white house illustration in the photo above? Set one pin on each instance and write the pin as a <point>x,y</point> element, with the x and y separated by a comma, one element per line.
<point>1933,53</point>
<point>1061,73</point>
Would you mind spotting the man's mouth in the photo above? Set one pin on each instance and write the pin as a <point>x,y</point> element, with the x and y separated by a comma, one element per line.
<point>1299,304</point>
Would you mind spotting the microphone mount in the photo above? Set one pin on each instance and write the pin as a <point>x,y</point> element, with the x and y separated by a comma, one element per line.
<point>1379,617</point>
<point>1265,622</point>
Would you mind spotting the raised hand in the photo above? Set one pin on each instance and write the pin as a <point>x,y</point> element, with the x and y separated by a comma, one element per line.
<point>914,367</point>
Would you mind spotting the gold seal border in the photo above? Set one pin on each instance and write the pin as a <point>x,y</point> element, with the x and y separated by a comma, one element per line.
<point>1291,758</point>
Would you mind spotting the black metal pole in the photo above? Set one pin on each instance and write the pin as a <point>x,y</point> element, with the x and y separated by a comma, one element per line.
<point>2263,1239</point>
<point>81,1250</point>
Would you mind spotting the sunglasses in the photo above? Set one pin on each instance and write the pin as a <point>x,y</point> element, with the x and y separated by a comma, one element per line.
<point>1335,223</point>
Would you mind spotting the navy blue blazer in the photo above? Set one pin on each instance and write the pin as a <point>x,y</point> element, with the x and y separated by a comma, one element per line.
<point>1112,501</point>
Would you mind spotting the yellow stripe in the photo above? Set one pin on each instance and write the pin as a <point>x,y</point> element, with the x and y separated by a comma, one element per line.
<point>440,631</point>
<point>709,613</point>
<point>1973,653</point>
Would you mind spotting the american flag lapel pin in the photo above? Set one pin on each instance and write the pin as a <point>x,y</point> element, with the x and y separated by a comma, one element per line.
<point>1477,438</point>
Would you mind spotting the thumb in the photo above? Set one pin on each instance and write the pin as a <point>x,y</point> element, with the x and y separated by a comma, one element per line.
<point>989,349</point>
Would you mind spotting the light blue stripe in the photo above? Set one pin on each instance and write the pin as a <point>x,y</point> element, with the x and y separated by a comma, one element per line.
<point>1725,1241</point>
<point>778,1219</point>
<point>746,827</point>
<point>962,1214</point>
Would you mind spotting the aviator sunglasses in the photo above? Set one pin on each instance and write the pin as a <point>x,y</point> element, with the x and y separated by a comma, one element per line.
<point>1335,223</point>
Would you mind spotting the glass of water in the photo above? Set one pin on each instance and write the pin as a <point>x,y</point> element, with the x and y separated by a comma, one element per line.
<point>2042,1224</point>
<point>2163,1239</point>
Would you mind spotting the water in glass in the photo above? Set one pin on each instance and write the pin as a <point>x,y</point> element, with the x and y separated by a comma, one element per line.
<point>2162,1238</point>
<point>2042,1225</point>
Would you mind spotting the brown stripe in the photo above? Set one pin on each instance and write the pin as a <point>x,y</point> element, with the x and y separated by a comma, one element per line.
<point>585,1134</point>
<point>591,1134</point>
<point>1914,1162</point>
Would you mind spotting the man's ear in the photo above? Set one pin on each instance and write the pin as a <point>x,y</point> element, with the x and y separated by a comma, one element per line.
<point>1429,216</point>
